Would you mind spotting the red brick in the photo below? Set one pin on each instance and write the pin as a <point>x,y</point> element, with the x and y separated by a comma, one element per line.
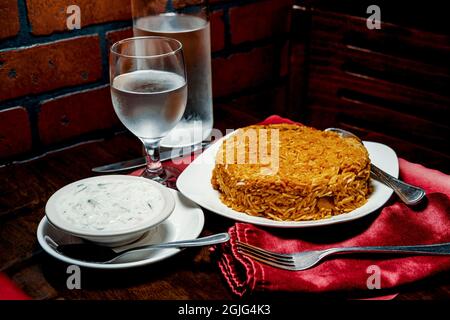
<point>117,35</point>
<point>242,70</point>
<point>47,17</point>
<point>15,132</point>
<point>75,114</point>
<point>217,31</point>
<point>259,20</point>
<point>9,18</point>
<point>40,68</point>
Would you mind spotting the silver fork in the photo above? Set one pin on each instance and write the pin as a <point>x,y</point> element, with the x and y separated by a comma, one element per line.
<point>307,259</point>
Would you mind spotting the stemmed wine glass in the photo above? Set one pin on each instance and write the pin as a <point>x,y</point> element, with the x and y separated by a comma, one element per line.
<point>149,94</point>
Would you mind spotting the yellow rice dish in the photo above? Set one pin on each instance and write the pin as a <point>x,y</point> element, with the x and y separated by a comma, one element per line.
<point>292,173</point>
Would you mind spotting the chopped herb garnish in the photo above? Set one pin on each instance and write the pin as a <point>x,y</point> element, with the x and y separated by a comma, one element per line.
<point>92,202</point>
<point>81,185</point>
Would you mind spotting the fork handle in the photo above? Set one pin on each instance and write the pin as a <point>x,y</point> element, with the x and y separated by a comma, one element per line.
<point>409,194</point>
<point>429,249</point>
<point>198,242</point>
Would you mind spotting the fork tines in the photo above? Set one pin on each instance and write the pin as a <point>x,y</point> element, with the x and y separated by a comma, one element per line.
<point>278,260</point>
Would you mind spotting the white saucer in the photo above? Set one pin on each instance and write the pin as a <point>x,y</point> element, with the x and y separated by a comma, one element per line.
<point>186,222</point>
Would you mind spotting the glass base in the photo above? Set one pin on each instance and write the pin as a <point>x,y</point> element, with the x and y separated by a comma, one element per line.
<point>168,178</point>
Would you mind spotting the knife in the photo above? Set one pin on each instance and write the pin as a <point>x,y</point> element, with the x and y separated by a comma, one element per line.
<point>140,162</point>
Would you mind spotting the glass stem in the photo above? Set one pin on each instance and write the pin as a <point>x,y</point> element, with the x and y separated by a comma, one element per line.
<point>154,169</point>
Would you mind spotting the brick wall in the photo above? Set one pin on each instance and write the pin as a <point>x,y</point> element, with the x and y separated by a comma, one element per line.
<point>54,81</point>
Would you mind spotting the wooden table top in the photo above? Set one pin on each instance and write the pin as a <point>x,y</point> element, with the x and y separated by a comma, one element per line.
<point>191,274</point>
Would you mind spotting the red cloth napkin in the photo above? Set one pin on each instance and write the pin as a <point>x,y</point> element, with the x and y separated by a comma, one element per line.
<point>9,290</point>
<point>396,224</point>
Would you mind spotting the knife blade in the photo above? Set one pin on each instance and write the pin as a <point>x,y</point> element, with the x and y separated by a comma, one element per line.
<point>140,162</point>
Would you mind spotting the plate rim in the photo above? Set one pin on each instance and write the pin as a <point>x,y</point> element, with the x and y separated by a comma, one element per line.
<point>54,217</point>
<point>124,265</point>
<point>265,222</point>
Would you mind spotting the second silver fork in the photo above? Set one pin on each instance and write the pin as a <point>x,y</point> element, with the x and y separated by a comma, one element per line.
<point>307,259</point>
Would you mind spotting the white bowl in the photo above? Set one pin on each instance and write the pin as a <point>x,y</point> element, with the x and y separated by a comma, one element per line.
<point>109,236</point>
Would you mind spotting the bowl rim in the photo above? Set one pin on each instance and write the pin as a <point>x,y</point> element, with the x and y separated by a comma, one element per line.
<point>53,216</point>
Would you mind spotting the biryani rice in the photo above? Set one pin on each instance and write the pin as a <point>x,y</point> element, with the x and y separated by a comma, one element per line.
<point>319,174</point>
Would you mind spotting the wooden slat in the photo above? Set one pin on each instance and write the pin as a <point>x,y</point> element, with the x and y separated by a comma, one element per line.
<point>425,84</point>
<point>390,121</point>
<point>412,73</point>
<point>430,16</point>
<point>328,95</point>
<point>395,40</point>
<point>323,81</point>
<point>392,80</point>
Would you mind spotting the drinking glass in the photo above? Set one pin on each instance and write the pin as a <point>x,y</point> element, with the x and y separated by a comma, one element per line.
<point>188,22</point>
<point>149,94</point>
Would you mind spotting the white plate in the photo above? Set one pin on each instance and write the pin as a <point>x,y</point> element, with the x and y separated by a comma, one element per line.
<point>186,222</point>
<point>195,183</point>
